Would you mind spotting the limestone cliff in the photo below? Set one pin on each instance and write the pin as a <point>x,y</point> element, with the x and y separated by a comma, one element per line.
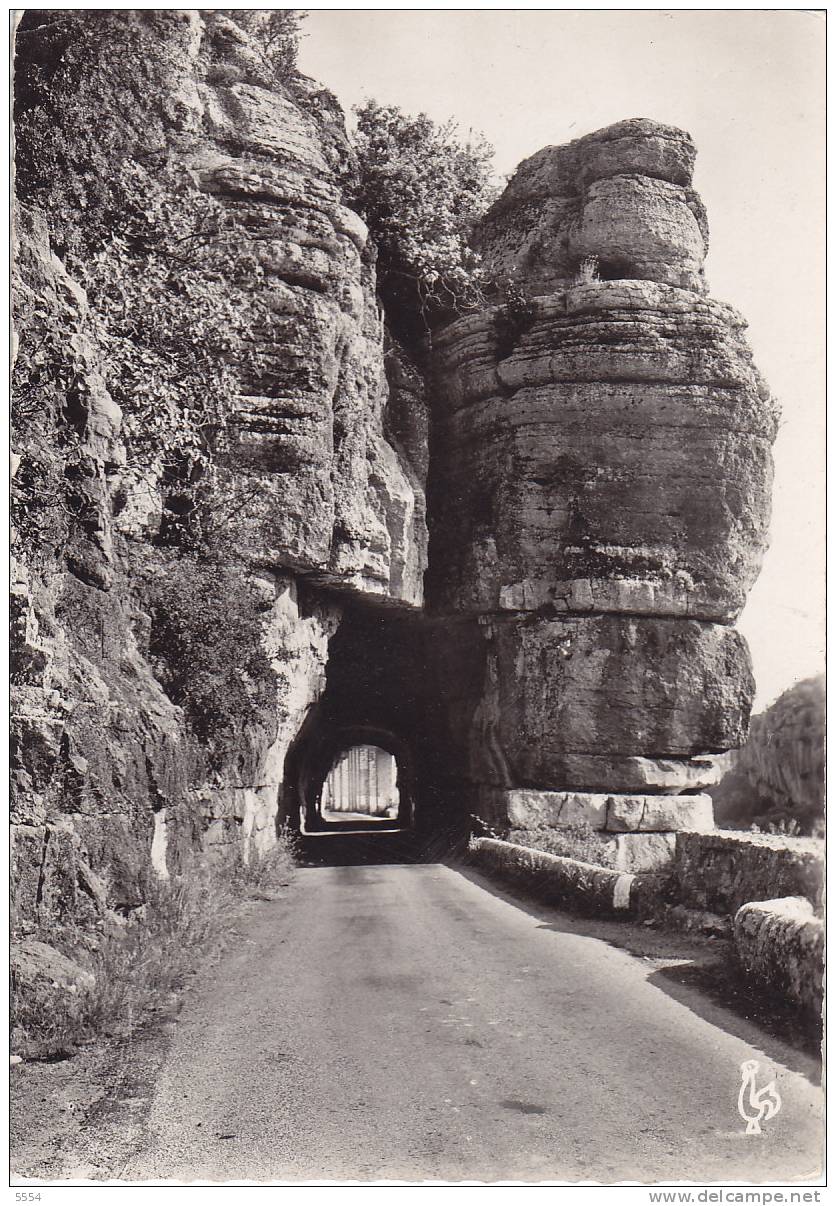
<point>221,523</point>
<point>184,263</point>
<point>601,479</point>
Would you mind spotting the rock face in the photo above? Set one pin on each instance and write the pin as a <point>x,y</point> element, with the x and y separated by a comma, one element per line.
<point>320,472</point>
<point>601,478</point>
<point>622,195</point>
<point>228,470</point>
<point>777,777</point>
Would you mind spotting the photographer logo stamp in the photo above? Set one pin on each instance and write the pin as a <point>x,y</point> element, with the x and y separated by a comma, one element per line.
<point>756,1105</point>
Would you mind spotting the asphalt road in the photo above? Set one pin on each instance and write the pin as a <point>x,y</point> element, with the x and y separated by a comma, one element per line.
<point>406,1022</point>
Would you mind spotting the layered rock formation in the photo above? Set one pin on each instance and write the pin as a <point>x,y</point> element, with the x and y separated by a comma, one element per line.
<point>320,475</point>
<point>598,459</point>
<point>777,778</point>
<point>601,483</point>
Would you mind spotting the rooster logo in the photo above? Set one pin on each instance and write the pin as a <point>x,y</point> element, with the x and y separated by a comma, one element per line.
<point>756,1105</point>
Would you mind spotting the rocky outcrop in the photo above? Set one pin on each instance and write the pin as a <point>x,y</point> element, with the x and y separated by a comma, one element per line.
<point>601,477</point>
<point>228,470</point>
<point>622,195</point>
<point>777,777</point>
<point>53,987</point>
<point>318,469</point>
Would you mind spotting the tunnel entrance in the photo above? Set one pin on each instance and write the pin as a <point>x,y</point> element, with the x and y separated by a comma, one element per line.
<point>362,785</point>
<point>381,694</point>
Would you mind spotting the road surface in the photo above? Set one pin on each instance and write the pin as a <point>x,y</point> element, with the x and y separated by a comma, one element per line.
<point>405,1021</point>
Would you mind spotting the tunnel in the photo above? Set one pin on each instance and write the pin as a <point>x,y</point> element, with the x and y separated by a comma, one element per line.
<point>338,761</point>
<point>382,693</point>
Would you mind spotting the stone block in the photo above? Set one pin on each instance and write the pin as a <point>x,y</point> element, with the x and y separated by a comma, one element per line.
<point>658,813</point>
<point>644,851</point>
<point>527,808</point>
<point>635,774</point>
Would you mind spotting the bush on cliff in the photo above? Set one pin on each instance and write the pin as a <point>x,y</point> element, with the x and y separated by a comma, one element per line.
<point>421,190</point>
<point>276,30</point>
<point>166,272</point>
<point>206,628</point>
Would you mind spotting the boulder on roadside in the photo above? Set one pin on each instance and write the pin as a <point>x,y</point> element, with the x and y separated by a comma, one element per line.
<point>48,989</point>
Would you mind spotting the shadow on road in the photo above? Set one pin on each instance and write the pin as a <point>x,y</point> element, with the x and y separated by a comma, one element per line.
<point>698,972</point>
<point>714,988</point>
<point>341,848</point>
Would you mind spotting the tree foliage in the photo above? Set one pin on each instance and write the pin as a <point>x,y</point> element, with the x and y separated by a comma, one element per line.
<point>167,270</point>
<point>277,31</point>
<point>206,626</point>
<point>421,190</point>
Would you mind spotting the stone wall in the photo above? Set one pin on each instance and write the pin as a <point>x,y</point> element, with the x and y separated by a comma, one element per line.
<point>780,945</point>
<point>724,870</point>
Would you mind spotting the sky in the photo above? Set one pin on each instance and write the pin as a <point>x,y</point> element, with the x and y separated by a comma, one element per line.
<point>749,87</point>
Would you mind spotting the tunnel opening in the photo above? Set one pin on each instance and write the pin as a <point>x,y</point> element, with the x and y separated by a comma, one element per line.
<point>383,690</point>
<point>361,786</point>
<point>356,778</point>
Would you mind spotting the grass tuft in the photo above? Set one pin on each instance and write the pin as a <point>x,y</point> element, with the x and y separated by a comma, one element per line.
<point>139,963</point>
<point>579,841</point>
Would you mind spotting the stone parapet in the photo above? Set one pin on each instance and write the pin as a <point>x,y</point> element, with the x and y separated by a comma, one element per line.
<point>723,870</point>
<point>557,880</point>
<point>780,944</point>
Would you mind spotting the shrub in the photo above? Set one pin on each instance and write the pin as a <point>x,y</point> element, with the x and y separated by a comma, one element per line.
<point>277,31</point>
<point>205,644</point>
<point>168,271</point>
<point>421,189</point>
<point>512,319</point>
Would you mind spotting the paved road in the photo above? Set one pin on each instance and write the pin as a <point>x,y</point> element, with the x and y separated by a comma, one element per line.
<point>406,1022</point>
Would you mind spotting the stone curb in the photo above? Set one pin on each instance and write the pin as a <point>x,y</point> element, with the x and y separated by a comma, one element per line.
<point>780,944</point>
<point>554,879</point>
